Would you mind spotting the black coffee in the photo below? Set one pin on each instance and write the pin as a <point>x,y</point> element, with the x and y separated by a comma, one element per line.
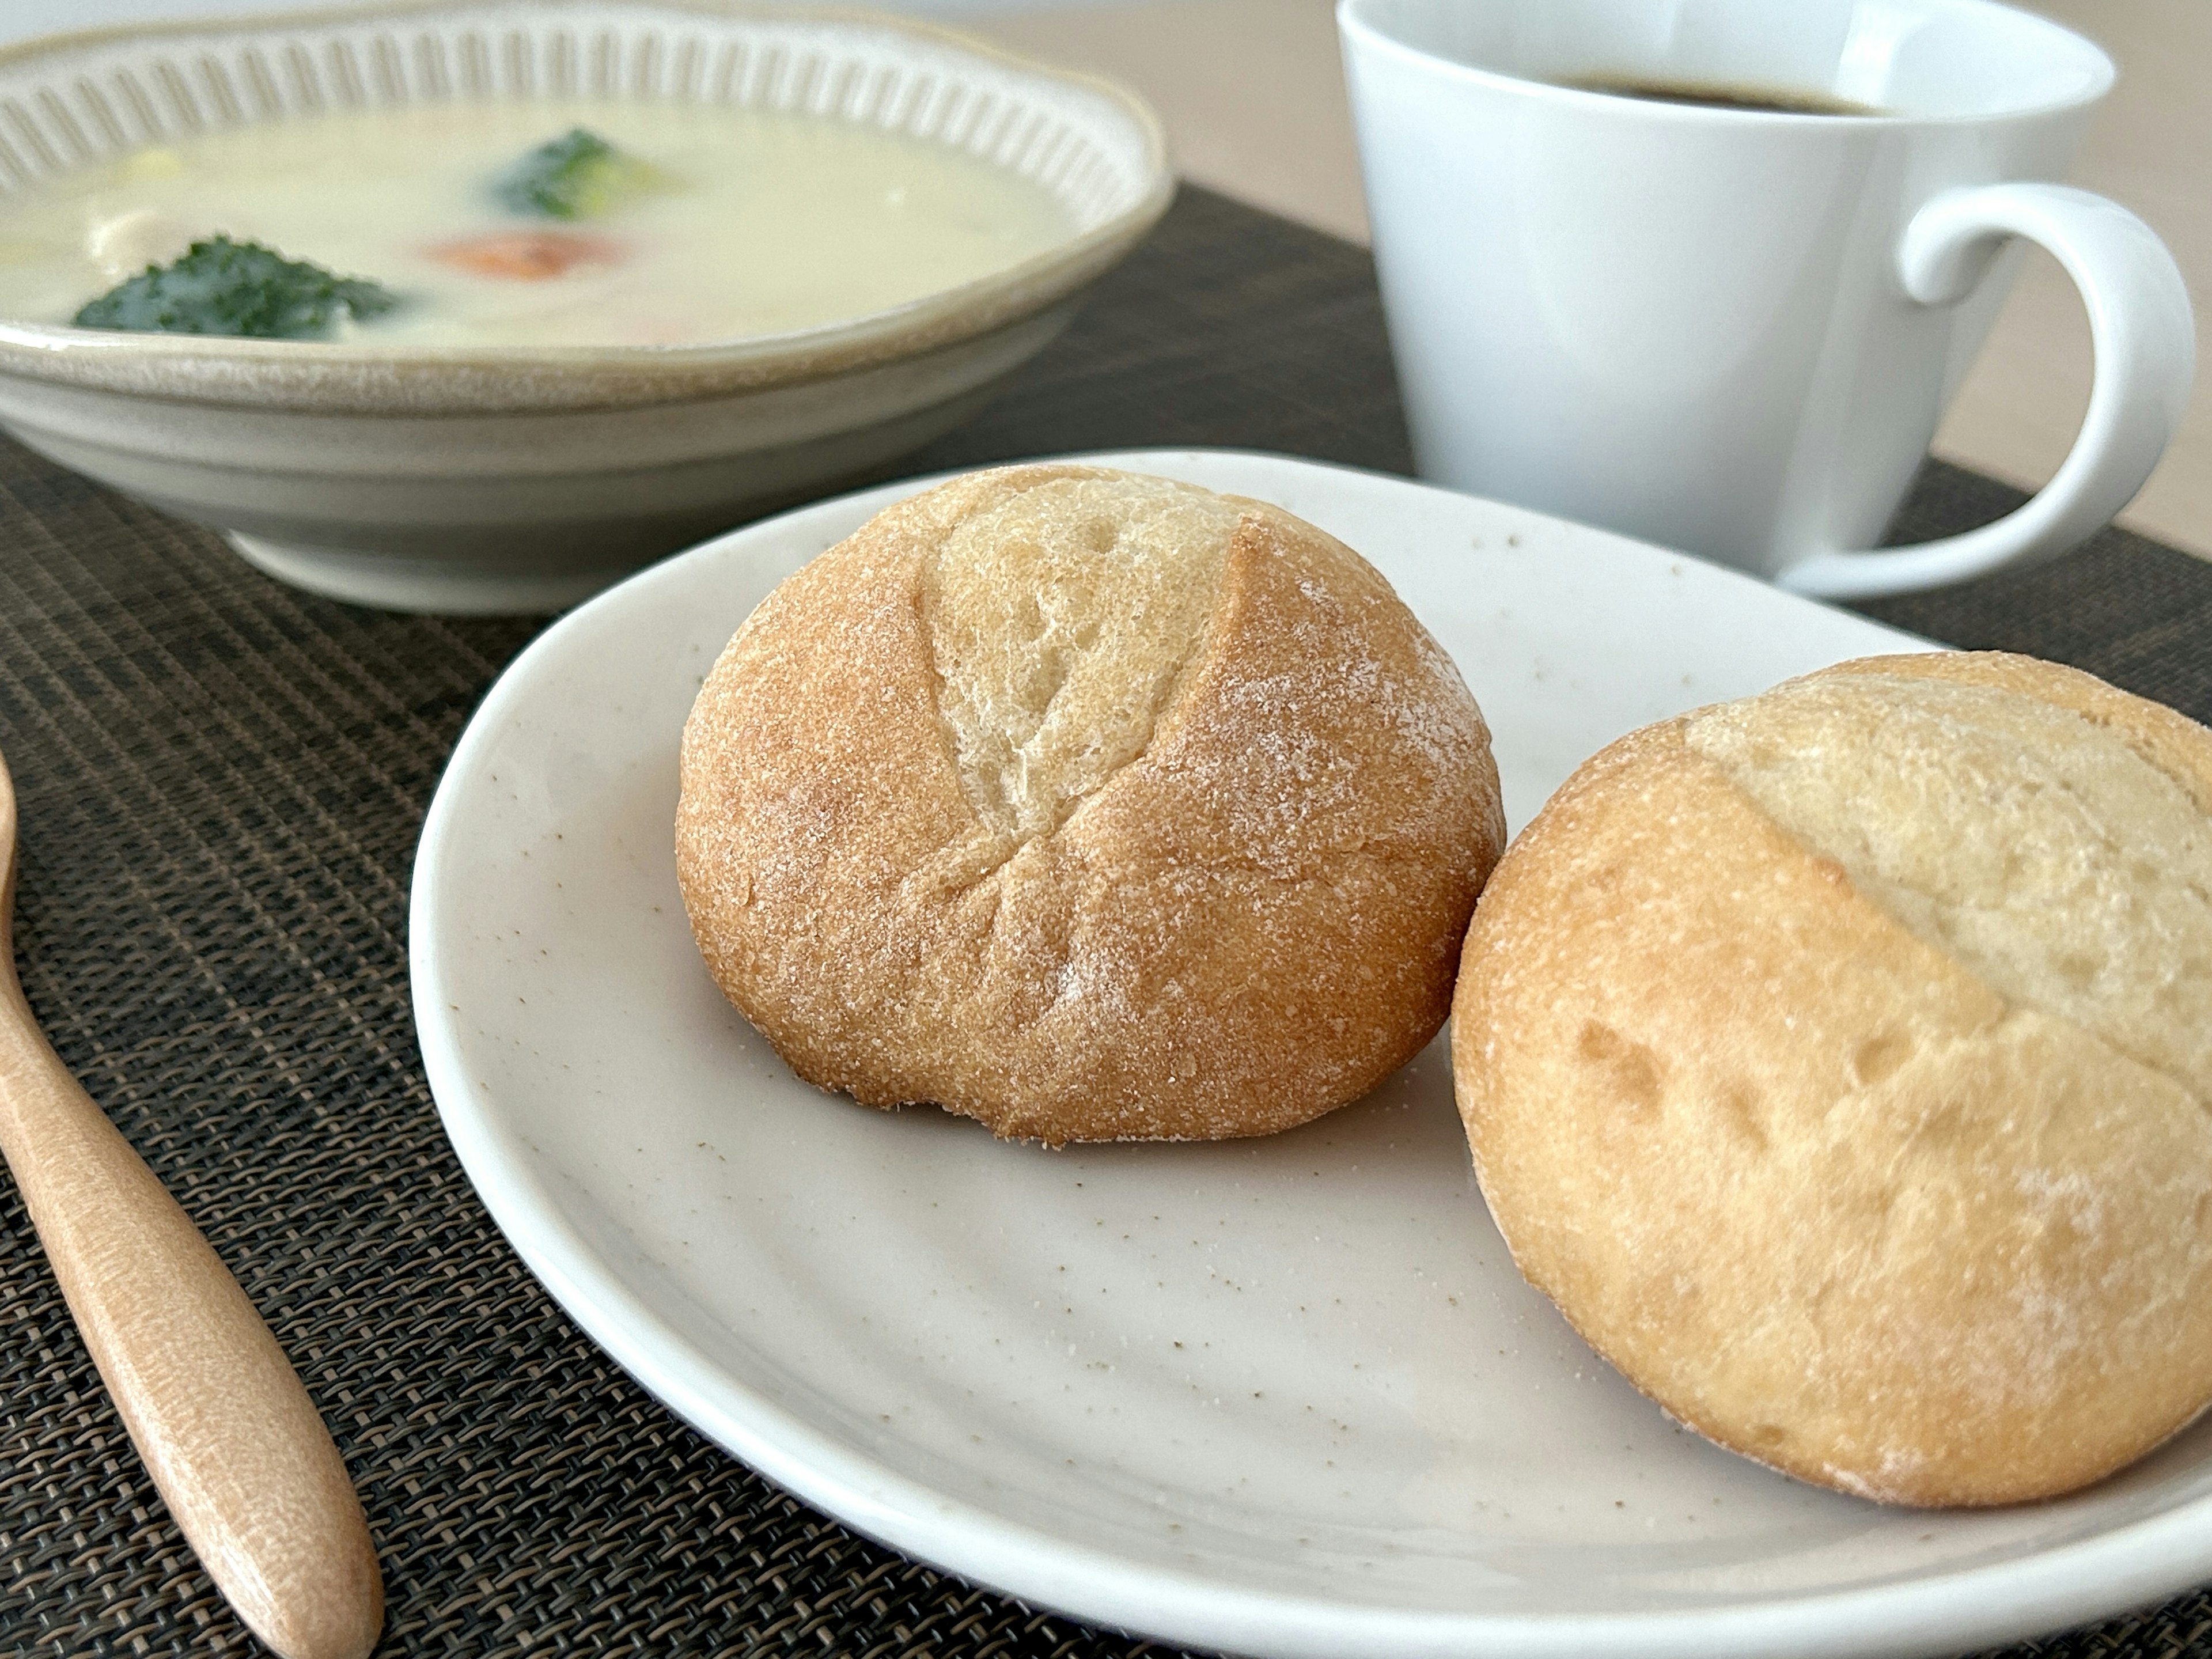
<point>1787,100</point>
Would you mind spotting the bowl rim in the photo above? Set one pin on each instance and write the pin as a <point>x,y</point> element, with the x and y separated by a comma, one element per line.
<point>313,375</point>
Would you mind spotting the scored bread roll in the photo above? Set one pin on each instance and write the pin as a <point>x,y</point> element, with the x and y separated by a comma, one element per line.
<point>1090,805</point>
<point>1837,1061</point>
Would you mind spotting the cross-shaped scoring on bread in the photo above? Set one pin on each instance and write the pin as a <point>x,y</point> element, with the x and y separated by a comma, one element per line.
<point>1061,620</point>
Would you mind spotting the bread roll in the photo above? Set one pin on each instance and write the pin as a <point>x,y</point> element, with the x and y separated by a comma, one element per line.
<point>1090,805</point>
<point>1837,1059</point>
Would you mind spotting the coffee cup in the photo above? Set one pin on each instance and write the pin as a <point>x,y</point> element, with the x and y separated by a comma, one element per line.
<point>1708,271</point>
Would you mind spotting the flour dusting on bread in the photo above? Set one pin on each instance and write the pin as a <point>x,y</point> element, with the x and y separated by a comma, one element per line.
<point>2040,848</point>
<point>1060,620</point>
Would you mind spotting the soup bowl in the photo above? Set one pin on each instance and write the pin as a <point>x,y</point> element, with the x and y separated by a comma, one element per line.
<point>509,478</point>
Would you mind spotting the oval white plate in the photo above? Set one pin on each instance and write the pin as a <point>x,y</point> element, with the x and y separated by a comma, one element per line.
<point>1285,1396</point>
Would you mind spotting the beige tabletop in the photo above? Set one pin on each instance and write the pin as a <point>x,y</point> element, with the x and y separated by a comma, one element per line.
<point>1253,95</point>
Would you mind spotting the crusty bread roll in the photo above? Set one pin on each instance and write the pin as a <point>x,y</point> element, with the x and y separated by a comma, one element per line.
<point>1837,1059</point>
<point>1091,805</point>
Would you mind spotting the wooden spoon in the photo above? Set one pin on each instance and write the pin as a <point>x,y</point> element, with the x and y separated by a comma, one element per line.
<point>228,1434</point>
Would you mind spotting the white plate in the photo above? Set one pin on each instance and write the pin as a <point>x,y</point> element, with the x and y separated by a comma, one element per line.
<point>1285,1396</point>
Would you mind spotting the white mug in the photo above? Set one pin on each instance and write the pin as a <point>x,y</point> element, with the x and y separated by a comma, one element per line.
<point>1734,330</point>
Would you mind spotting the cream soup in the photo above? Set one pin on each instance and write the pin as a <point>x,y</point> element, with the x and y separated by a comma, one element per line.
<point>754,223</point>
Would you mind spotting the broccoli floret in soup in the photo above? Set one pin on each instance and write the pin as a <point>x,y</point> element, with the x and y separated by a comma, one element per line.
<point>222,287</point>
<point>579,175</point>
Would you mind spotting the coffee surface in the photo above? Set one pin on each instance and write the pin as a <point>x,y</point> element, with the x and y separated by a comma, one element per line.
<point>1720,94</point>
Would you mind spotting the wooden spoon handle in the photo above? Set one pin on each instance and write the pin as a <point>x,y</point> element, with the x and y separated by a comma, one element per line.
<point>230,1435</point>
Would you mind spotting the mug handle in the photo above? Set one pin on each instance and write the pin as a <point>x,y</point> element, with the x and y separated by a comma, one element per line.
<point>2145,341</point>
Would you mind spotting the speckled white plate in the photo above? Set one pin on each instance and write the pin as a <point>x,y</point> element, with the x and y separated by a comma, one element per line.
<point>1282,1397</point>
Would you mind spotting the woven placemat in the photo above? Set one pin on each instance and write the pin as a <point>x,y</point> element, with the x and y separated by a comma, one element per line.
<point>221,783</point>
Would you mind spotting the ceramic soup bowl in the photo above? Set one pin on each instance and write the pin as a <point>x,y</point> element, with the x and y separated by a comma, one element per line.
<point>511,478</point>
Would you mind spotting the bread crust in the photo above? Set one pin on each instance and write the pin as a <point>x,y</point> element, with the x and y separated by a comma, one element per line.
<point>1807,1180</point>
<point>1252,922</point>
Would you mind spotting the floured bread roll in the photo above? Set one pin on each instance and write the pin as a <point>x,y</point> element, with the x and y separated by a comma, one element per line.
<point>1838,1061</point>
<point>1091,805</point>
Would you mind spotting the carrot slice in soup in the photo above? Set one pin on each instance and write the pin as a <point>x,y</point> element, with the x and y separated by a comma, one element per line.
<point>526,256</point>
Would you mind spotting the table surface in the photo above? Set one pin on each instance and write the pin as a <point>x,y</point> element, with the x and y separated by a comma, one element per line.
<point>1253,96</point>
<point>221,783</point>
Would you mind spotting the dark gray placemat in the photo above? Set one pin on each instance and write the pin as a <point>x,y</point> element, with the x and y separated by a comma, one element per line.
<point>2127,610</point>
<point>221,784</point>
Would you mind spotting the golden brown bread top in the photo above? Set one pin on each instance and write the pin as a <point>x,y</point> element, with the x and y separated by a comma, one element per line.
<point>1090,805</point>
<point>1833,1060</point>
